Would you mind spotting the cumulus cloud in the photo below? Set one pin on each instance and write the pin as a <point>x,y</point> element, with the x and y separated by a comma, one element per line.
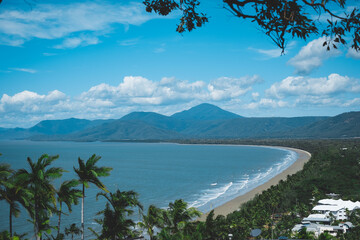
<point>133,93</point>
<point>30,102</point>
<point>352,53</point>
<point>311,56</point>
<point>228,88</point>
<point>300,85</point>
<point>56,21</point>
<point>266,102</point>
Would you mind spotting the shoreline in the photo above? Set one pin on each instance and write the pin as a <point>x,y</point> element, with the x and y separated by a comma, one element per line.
<point>234,204</point>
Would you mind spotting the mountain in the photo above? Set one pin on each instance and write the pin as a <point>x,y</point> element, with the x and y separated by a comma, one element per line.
<point>199,122</point>
<point>65,126</point>
<point>123,130</point>
<point>256,127</point>
<point>50,128</point>
<point>157,120</point>
<point>205,111</point>
<point>346,125</point>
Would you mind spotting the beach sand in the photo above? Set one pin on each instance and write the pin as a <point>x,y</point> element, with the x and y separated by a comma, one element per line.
<point>235,204</point>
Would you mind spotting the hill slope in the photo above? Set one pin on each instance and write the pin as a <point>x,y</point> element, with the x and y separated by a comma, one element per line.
<point>346,125</point>
<point>205,111</point>
<point>199,122</point>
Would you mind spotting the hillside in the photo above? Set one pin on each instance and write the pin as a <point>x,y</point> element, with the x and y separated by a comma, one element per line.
<point>346,125</point>
<point>205,111</point>
<point>204,121</point>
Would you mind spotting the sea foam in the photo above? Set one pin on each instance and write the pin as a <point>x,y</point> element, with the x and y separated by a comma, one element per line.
<point>220,193</point>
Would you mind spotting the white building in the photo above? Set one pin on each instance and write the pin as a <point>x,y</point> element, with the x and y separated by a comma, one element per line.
<point>318,229</point>
<point>326,211</point>
<point>335,208</point>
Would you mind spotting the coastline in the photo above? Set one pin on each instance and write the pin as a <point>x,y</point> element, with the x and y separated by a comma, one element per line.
<point>235,203</point>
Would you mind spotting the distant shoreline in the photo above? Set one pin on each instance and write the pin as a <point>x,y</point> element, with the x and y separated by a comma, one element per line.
<point>234,204</point>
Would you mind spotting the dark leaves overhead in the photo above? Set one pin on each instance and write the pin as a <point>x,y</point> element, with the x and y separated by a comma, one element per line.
<point>190,19</point>
<point>279,19</point>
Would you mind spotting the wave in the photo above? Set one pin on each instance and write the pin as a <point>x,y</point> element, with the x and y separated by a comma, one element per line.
<point>210,198</point>
<point>210,194</point>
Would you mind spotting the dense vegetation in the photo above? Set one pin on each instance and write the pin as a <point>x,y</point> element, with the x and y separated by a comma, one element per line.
<point>334,167</point>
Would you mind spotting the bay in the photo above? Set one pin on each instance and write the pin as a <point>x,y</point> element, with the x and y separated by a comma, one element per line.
<point>205,176</point>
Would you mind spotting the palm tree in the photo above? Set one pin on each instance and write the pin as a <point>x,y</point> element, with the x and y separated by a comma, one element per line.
<point>178,214</point>
<point>115,224</point>
<point>73,230</point>
<point>13,194</point>
<point>152,219</point>
<point>89,173</point>
<point>39,182</point>
<point>69,195</point>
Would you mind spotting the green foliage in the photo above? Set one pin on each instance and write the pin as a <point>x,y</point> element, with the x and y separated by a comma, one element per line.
<point>39,182</point>
<point>72,230</point>
<point>116,223</point>
<point>89,173</point>
<point>69,195</point>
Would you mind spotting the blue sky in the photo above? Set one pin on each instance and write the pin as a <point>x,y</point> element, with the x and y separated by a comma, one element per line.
<point>104,59</point>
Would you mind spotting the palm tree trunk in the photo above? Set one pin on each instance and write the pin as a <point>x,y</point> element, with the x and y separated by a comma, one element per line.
<point>10,221</point>
<point>59,219</point>
<point>82,214</point>
<point>36,220</point>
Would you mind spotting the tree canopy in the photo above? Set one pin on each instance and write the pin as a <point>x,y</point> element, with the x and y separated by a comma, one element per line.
<point>280,20</point>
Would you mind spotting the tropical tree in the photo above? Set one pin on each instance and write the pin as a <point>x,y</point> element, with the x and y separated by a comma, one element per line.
<point>39,181</point>
<point>72,230</point>
<point>116,223</point>
<point>5,172</point>
<point>89,173</point>
<point>69,195</point>
<point>14,194</point>
<point>279,20</point>
<point>178,214</point>
<point>151,220</point>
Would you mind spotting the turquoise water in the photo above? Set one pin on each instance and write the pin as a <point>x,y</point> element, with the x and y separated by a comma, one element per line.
<point>205,176</point>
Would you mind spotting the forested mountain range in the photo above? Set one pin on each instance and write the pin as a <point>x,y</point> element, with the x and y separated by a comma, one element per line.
<point>200,122</point>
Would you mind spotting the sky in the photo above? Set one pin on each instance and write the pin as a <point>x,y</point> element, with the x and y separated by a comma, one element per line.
<point>95,59</point>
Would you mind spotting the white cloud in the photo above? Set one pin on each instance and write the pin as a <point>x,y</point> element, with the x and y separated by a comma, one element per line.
<point>312,56</point>
<point>77,41</point>
<point>268,53</point>
<point>228,88</point>
<point>352,53</point>
<point>352,103</point>
<point>56,21</point>
<point>266,102</point>
<point>297,86</point>
<point>31,102</point>
<point>133,93</point>
<point>27,70</point>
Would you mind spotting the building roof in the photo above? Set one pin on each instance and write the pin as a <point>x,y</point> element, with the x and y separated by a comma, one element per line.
<point>340,203</point>
<point>317,218</point>
<point>327,208</point>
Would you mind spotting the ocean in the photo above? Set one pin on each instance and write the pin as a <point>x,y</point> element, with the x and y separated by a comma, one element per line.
<point>206,176</point>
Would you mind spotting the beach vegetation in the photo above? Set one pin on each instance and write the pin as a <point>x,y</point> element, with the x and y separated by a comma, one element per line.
<point>88,173</point>
<point>68,194</point>
<point>39,181</point>
<point>72,230</point>
<point>116,222</point>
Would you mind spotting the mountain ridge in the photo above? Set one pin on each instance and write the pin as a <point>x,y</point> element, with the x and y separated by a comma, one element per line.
<point>200,122</point>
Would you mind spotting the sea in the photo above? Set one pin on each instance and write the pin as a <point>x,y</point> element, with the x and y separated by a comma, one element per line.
<point>205,176</point>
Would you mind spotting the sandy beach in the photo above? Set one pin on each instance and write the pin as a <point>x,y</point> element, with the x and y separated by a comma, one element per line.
<point>235,204</point>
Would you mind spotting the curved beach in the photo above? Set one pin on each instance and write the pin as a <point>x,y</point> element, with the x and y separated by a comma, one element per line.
<point>234,204</point>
